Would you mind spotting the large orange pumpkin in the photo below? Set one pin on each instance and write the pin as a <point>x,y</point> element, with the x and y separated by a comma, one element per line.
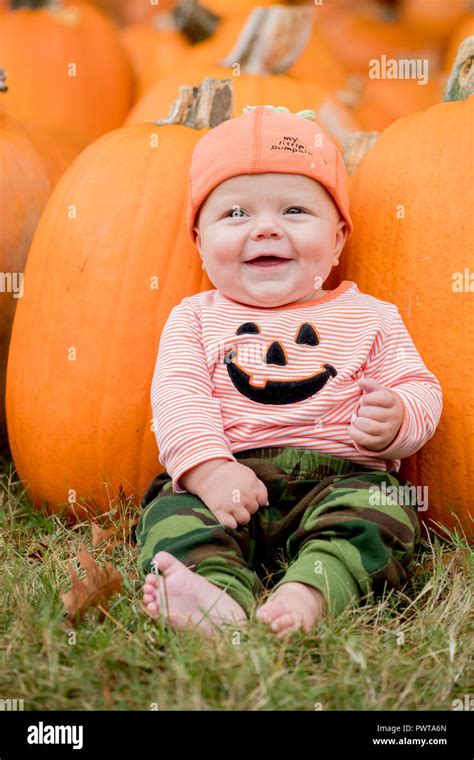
<point>111,256</point>
<point>411,203</point>
<point>24,190</point>
<point>66,69</point>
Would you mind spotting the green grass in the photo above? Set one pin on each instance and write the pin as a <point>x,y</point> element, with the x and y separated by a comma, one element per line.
<point>413,650</point>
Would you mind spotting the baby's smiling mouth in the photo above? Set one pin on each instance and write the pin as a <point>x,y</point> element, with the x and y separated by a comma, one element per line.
<point>265,262</point>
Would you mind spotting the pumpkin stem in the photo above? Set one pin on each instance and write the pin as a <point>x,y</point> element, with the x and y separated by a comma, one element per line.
<point>163,22</point>
<point>461,80</point>
<point>3,84</point>
<point>356,146</point>
<point>31,4</point>
<point>272,40</point>
<point>195,21</point>
<point>204,106</point>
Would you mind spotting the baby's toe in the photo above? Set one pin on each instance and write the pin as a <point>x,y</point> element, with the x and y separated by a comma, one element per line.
<point>282,622</point>
<point>270,611</point>
<point>149,589</point>
<point>153,608</point>
<point>152,579</point>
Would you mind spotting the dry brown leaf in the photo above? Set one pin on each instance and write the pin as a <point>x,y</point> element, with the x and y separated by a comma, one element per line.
<point>94,590</point>
<point>113,535</point>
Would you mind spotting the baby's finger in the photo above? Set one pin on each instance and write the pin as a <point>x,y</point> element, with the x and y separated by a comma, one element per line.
<point>377,398</point>
<point>226,519</point>
<point>366,425</point>
<point>252,508</point>
<point>378,413</point>
<point>262,494</point>
<point>241,514</point>
<point>373,442</point>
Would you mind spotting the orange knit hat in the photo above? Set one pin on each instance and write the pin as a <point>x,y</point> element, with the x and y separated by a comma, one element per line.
<point>266,139</point>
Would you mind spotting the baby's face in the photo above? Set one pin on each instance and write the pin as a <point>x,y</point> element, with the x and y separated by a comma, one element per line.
<point>289,215</point>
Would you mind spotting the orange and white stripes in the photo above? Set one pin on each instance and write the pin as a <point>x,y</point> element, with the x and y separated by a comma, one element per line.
<point>227,375</point>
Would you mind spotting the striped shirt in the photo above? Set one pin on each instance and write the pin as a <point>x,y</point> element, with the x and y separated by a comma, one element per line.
<point>229,377</point>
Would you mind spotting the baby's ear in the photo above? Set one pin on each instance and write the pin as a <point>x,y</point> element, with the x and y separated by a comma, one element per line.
<point>342,231</point>
<point>198,238</point>
<point>198,245</point>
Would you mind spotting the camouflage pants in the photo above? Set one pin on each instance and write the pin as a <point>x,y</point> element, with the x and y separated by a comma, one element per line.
<point>325,527</point>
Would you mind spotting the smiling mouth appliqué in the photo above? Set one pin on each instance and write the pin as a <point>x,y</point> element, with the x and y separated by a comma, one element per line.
<point>277,391</point>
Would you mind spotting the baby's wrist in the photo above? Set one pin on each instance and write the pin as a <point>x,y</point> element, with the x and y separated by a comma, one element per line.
<point>193,479</point>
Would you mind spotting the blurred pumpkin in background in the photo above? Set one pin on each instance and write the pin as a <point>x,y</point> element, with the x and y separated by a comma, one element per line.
<point>434,19</point>
<point>54,81</point>
<point>125,12</point>
<point>24,190</point>
<point>271,41</point>
<point>464,29</point>
<point>154,50</point>
<point>370,30</point>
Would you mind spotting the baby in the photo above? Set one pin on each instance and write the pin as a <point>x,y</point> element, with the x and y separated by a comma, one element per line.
<point>281,410</point>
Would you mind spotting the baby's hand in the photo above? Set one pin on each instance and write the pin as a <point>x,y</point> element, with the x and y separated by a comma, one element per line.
<point>233,493</point>
<point>379,416</point>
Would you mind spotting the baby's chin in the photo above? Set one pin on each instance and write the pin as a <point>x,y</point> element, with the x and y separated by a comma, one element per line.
<point>266,295</point>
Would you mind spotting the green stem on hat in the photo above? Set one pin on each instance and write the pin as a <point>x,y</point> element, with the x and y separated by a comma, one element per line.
<point>204,106</point>
<point>307,113</point>
<point>461,80</point>
<point>272,40</point>
<point>194,21</point>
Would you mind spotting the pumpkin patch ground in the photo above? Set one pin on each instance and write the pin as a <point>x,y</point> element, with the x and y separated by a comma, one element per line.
<point>102,104</point>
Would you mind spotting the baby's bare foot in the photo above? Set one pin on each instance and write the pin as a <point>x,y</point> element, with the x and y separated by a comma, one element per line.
<point>184,597</point>
<point>291,607</point>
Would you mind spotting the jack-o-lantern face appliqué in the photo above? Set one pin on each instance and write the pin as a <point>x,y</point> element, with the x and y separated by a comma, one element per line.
<point>278,391</point>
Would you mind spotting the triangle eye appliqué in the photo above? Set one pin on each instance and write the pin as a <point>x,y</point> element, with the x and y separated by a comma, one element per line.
<point>247,327</point>
<point>307,334</point>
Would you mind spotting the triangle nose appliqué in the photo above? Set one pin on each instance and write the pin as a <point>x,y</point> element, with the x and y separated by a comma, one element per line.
<point>275,354</point>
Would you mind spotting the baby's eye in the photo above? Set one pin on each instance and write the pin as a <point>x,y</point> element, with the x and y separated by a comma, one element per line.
<point>234,211</point>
